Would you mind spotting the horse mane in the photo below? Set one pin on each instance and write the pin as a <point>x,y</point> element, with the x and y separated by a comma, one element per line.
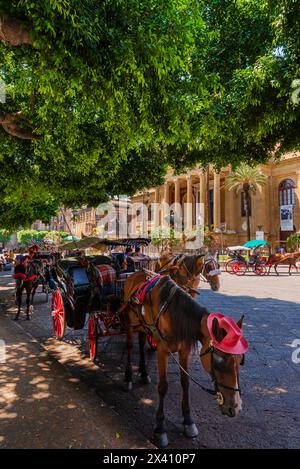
<point>185,313</point>
<point>191,262</point>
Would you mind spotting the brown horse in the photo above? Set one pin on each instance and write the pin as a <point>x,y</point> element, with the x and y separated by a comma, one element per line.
<point>177,322</point>
<point>289,259</point>
<point>27,277</point>
<point>187,270</point>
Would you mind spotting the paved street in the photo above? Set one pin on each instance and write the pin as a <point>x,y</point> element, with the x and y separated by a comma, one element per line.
<point>270,380</point>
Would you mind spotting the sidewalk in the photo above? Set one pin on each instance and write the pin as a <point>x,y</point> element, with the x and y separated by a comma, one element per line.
<point>43,406</point>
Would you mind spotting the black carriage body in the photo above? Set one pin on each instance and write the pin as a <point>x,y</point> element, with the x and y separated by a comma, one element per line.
<point>75,288</point>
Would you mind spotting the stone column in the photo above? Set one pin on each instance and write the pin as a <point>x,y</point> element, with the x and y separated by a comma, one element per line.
<point>217,201</point>
<point>177,206</point>
<point>297,202</point>
<point>165,203</point>
<point>177,191</point>
<point>189,205</point>
<point>230,213</point>
<point>156,208</point>
<point>202,195</point>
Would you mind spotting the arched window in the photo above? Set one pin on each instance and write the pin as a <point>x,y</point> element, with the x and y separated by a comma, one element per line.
<point>286,192</point>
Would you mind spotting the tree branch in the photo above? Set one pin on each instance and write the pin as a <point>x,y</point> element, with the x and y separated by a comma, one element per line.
<point>13,31</point>
<point>11,125</point>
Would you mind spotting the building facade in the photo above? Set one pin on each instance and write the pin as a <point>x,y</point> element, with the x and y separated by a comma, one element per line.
<point>225,209</point>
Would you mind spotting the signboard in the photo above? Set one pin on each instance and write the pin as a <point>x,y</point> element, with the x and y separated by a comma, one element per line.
<point>260,235</point>
<point>286,218</point>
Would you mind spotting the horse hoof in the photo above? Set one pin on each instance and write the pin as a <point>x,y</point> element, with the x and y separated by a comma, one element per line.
<point>129,386</point>
<point>190,431</point>
<point>145,379</point>
<point>160,439</point>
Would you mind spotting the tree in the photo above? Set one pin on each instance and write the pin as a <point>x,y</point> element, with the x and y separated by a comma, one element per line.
<point>248,180</point>
<point>90,94</point>
<point>100,94</point>
<point>4,236</point>
<point>293,242</point>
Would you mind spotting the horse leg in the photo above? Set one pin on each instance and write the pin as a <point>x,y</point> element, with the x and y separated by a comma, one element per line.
<point>19,302</point>
<point>160,433</point>
<point>189,428</point>
<point>145,378</point>
<point>27,303</point>
<point>275,268</point>
<point>128,369</point>
<point>33,291</point>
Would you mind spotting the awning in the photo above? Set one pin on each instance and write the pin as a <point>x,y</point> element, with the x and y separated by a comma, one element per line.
<point>97,243</point>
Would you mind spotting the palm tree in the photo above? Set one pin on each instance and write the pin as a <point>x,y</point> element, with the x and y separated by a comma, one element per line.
<point>246,179</point>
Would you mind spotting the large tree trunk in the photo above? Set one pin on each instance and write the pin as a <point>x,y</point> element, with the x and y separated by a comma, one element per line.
<point>12,124</point>
<point>247,203</point>
<point>13,31</point>
<point>207,215</point>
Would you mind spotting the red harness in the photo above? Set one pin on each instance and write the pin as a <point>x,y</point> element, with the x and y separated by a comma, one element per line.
<point>20,276</point>
<point>144,288</point>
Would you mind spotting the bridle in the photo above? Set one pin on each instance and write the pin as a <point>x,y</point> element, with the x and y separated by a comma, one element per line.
<point>205,273</point>
<point>218,363</point>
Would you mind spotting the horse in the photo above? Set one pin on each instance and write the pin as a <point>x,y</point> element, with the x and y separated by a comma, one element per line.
<point>289,259</point>
<point>27,277</point>
<point>187,270</point>
<point>177,322</point>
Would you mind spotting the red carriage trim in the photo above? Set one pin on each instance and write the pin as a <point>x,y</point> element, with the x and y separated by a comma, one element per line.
<point>108,273</point>
<point>140,294</point>
<point>19,276</point>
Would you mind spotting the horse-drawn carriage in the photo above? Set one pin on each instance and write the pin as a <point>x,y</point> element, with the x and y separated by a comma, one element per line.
<point>89,290</point>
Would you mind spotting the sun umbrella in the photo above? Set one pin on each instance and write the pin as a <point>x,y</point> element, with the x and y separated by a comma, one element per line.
<point>71,238</point>
<point>255,243</point>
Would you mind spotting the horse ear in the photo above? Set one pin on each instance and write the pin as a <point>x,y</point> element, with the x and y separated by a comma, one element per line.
<point>240,322</point>
<point>218,332</point>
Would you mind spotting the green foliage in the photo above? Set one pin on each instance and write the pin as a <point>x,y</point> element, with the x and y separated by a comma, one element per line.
<point>245,177</point>
<point>26,236</point>
<point>165,238</point>
<point>293,242</point>
<point>4,236</point>
<point>119,90</point>
<point>99,86</point>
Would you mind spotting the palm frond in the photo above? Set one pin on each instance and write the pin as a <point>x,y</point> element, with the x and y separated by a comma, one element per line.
<point>245,174</point>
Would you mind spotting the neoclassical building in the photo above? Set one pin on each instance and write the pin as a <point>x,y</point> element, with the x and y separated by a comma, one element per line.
<point>225,209</point>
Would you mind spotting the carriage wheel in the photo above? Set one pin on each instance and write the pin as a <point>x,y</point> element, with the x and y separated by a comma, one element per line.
<point>58,314</point>
<point>260,269</point>
<point>93,337</point>
<point>239,268</point>
<point>229,266</point>
<point>151,342</point>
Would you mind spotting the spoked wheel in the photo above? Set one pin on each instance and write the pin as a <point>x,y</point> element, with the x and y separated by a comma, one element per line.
<point>239,268</point>
<point>229,266</point>
<point>93,337</point>
<point>260,269</point>
<point>151,342</point>
<point>58,314</point>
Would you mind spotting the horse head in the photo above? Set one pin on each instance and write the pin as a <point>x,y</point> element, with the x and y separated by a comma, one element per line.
<point>211,271</point>
<point>223,363</point>
<point>192,267</point>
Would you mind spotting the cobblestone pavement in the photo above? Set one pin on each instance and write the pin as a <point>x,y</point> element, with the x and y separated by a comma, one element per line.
<point>270,380</point>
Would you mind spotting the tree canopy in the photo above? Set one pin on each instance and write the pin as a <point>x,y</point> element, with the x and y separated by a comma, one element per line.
<point>101,97</point>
